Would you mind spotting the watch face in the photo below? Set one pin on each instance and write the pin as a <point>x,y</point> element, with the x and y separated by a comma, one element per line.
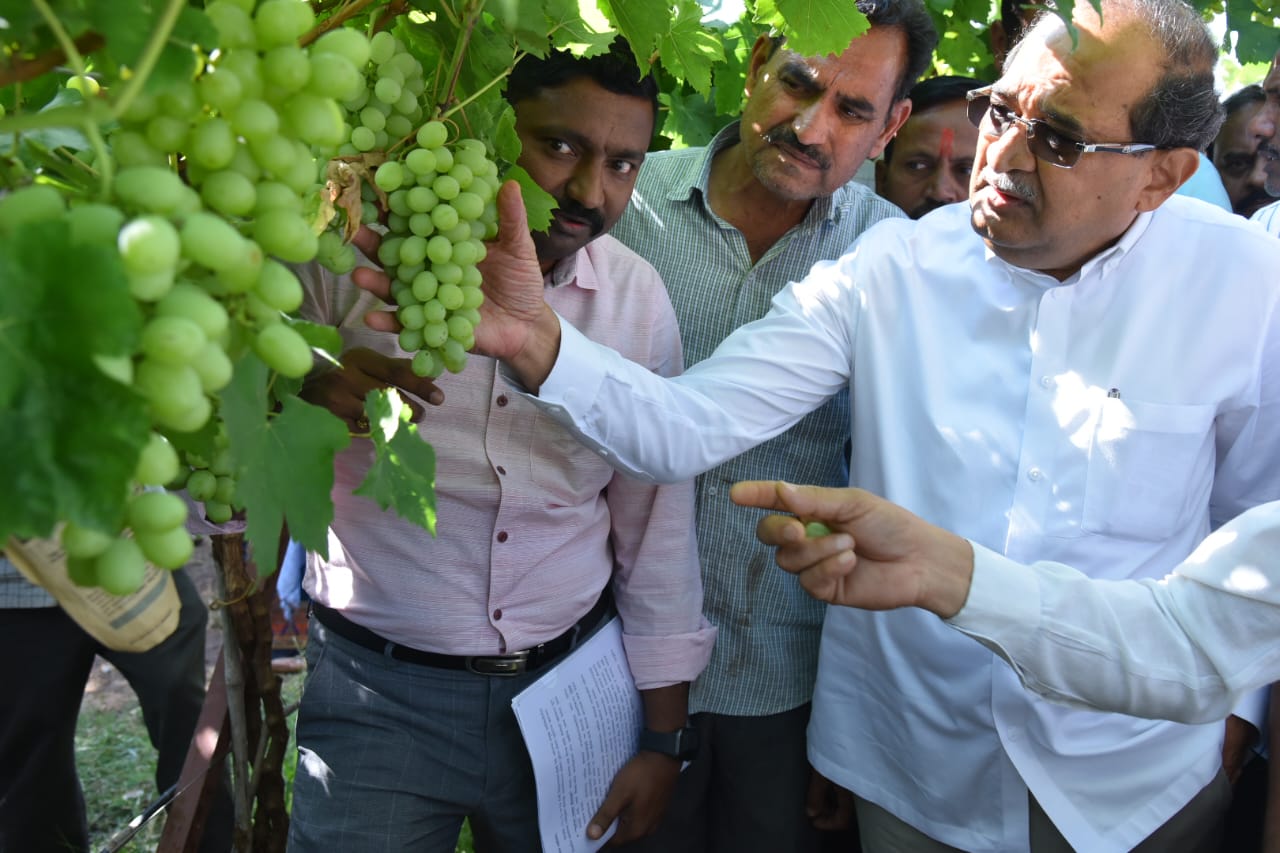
<point>681,744</point>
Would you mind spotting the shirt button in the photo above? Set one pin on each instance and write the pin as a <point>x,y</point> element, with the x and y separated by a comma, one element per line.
<point>502,399</point>
<point>502,536</point>
<point>497,614</point>
<point>1046,381</point>
<point>1033,475</point>
<point>502,470</point>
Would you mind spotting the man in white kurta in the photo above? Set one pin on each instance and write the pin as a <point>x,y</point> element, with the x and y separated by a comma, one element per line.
<point>1093,378</point>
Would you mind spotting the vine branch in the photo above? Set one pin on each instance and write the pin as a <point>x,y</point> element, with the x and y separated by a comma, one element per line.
<point>30,69</point>
<point>347,13</point>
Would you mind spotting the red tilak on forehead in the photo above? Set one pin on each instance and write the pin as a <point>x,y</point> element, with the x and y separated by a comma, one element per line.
<point>948,143</point>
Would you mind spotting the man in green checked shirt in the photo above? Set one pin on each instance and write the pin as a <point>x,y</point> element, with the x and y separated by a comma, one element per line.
<point>728,226</point>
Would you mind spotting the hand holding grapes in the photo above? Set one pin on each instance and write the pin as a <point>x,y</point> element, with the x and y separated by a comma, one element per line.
<point>343,391</point>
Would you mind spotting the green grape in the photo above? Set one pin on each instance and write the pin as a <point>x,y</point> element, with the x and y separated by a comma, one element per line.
<point>149,244</point>
<point>433,135</point>
<point>382,46</point>
<point>201,486</point>
<point>132,149</point>
<point>399,224</point>
<point>467,252</point>
<point>363,139</point>
<point>303,172</point>
<point>221,90</point>
<point>445,216</point>
<point>172,340</point>
<point>421,161</point>
<point>413,250</point>
<point>421,199</point>
<point>454,356</point>
<point>420,224</point>
<point>462,175</point>
<point>34,203</point>
<point>121,568</point>
<point>156,511</point>
<point>373,119</point>
<point>148,287</point>
<point>444,160</point>
<point>158,463</point>
<point>398,201</point>
<point>174,393</point>
<point>284,350</point>
<point>815,529</point>
<point>469,206</point>
<point>471,314</point>
<point>168,549</point>
<point>314,119</point>
<point>411,317</point>
<point>279,287</point>
<point>472,298</point>
<point>273,153</point>
<point>389,176</point>
<point>167,132</point>
<point>391,72</point>
<point>193,303</point>
<point>389,251</point>
<point>433,311</point>
<point>333,76</point>
<point>425,364</point>
<point>141,108</point>
<point>410,339</point>
<point>460,328</point>
<point>459,233</point>
<point>255,119</point>
<point>403,294</point>
<point>285,235</point>
<point>398,127</point>
<point>85,85</point>
<point>226,491</point>
<point>278,22</point>
<point>287,68</point>
<point>84,542</point>
<point>273,195</point>
<point>211,143</point>
<point>229,193</point>
<point>387,90</point>
<point>435,334</point>
<point>214,368</point>
<point>234,26</point>
<point>348,43</point>
<point>449,295</point>
<point>218,513</point>
<point>439,249</point>
<point>151,188</point>
<point>424,286</point>
<point>335,255</point>
<point>211,241</point>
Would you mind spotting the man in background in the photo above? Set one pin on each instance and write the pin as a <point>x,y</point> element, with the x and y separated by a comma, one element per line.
<point>929,162</point>
<point>1263,130</point>
<point>1235,153</point>
<point>769,197</point>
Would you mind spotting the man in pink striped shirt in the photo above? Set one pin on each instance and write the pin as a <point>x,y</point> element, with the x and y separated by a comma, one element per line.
<point>418,643</point>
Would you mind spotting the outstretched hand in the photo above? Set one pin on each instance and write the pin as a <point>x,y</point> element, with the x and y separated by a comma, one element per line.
<point>878,556</point>
<point>343,390</point>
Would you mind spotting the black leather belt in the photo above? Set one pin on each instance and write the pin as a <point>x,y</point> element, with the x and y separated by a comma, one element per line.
<point>511,664</point>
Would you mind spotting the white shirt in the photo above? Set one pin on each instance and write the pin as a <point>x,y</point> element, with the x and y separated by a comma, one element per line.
<point>1104,422</point>
<point>1184,647</point>
<point>1268,217</point>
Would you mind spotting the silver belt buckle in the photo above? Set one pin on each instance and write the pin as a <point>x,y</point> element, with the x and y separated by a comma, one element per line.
<point>502,665</point>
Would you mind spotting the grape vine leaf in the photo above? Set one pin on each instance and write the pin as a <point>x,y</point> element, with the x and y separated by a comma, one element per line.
<point>538,203</point>
<point>62,304</point>
<point>642,22</point>
<point>813,27</point>
<point>690,118</point>
<point>730,75</point>
<point>284,462</point>
<point>689,50</point>
<point>403,474</point>
<point>570,31</point>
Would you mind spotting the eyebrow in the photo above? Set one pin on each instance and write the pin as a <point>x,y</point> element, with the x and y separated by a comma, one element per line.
<point>806,78</point>
<point>1059,121</point>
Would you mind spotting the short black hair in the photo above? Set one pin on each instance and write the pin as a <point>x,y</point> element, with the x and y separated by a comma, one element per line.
<point>615,70</point>
<point>914,20</point>
<point>1251,94</point>
<point>929,93</point>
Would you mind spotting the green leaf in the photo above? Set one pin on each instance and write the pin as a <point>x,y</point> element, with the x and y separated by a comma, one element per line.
<point>69,435</point>
<point>403,474</point>
<point>691,119</point>
<point>642,22</point>
<point>284,463</point>
<point>506,142</point>
<point>538,203</point>
<point>690,50</point>
<point>571,32</point>
<point>814,27</point>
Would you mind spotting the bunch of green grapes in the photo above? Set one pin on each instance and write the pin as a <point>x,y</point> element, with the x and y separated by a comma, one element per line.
<point>441,209</point>
<point>389,107</point>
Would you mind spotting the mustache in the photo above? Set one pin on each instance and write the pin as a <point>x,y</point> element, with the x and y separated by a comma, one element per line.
<point>1010,185</point>
<point>783,134</point>
<point>575,210</point>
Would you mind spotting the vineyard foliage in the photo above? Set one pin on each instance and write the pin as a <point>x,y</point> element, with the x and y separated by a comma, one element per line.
<point>98,399</point>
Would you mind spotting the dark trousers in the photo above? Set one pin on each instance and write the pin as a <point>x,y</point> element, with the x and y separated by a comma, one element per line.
<point>745,792</point>
<point>44,664</point>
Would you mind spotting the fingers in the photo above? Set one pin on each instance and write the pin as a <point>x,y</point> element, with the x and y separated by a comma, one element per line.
<point>606,814</point>
<point>828,805</point>
<point>367,240</point>
<point>383,371</point>
<point>375,281</point>
<point>513,221</point>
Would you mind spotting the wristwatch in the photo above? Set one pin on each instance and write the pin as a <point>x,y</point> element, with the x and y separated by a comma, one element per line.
<point>681,744</point>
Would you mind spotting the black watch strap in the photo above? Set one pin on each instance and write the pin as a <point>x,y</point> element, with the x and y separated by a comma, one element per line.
<point>681,744</point>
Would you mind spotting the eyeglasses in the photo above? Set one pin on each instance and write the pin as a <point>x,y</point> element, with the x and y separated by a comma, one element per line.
<point>1052,146</point>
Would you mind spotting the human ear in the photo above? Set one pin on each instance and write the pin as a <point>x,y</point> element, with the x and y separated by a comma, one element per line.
<point>898,114</point>
<point>761,52</point>
<point>1169,170</point>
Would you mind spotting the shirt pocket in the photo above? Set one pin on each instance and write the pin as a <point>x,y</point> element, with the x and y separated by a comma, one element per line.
<point>566,471</point>
<point>1148,464</point>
